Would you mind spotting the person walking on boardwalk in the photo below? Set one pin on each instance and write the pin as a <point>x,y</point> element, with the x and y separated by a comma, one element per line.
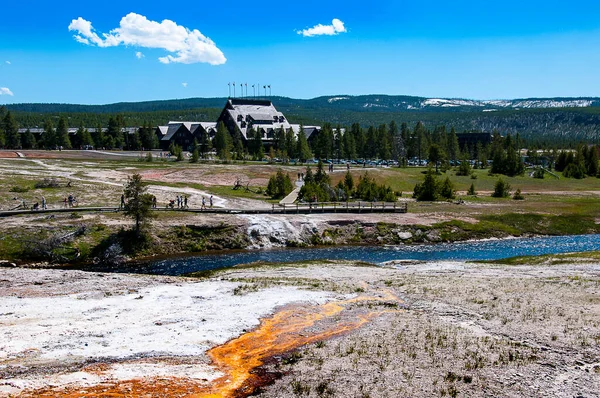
<point>178,201</point>
<point>203,203</point>
<point>185,206</point>
<point>211,201</point>
<point>43,203</point>
<point>153,202</point>
<point>122,205</point>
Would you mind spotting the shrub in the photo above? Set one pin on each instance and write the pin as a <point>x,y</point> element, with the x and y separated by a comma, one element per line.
<point>47,183</point>
<point>18,189</point>
<point>501,189</point>
<point>518,195</point>
<point>367,189</point>
<point>538,173</point>
<point>313,192</point>
<point>149,158</point>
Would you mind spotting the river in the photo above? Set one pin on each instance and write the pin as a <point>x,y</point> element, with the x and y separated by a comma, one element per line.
<point>463,251</point>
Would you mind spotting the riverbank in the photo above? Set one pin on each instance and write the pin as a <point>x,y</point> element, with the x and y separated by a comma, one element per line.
<point>64,239</point>
<point>325,329</point>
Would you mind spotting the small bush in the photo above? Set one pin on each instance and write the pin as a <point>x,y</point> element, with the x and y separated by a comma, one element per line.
<point>149,158</point>
<point>18,189</point>
<point>518,195</point>
<point>47,183</point>
<point>501,189</point>
<point>538,173</point>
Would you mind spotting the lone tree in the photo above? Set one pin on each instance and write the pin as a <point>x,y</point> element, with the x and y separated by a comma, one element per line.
<point>138,203</point>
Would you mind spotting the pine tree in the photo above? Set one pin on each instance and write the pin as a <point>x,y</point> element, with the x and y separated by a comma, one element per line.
<point>591,161</point>
<point>428,189</point>
<point>11,131</point>
<point>348,146</point>
<point>303,150</point>
<point>28,140</point>
<point>321,176</point>
<point>453,148</point>
<point>86,139</point>
<point>62,133</point>
<point>223,142</point>
<point>290,144</point>
<point>371,143</point>
<point>138,203</point>
<point>49,135</point>
<point>471,191</point>
<point>349,182</point>
<point>436,155</point>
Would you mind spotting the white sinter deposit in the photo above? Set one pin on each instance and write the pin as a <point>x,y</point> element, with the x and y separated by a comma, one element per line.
<point>179,318</point>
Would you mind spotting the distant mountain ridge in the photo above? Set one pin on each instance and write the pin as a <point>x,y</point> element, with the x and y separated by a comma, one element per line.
<point>365,103</point>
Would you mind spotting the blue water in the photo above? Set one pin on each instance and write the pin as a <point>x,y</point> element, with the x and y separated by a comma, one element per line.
<point>464,251</point>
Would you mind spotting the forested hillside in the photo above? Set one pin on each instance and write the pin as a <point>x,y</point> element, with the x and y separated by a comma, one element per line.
<point>561,120</point>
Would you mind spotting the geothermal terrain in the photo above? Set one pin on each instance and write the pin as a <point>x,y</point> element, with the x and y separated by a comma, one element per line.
<point>314,329</point>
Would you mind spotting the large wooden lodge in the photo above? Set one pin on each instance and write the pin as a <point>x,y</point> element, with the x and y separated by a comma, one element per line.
<point>239,116</point>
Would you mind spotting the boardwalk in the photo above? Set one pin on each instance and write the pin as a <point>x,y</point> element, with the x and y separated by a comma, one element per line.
<point>296,208</point>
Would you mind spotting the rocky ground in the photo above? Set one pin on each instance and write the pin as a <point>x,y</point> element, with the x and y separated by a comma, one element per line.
<point>404,329</point>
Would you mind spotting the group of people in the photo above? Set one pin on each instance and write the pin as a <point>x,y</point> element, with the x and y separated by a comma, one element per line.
<point>180,202</point>
<point>69,201</point>
<point>36,205</point>
<point>204,202</point>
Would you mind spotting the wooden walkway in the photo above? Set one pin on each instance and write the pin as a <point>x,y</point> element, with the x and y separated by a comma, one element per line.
<point>296,208</point>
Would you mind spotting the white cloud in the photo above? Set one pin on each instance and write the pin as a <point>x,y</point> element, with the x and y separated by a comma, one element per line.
<point>5,91</point>
<point>139,55</point>
<point>7,62</point>
<point>184,84</point>
<point>188,46</point>
<point>335,28</point>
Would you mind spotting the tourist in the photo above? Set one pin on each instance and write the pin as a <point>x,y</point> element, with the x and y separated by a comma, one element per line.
<point>203,203</point>
<point>122,205</point>
<point>65,202</point>
<point>178,202</point>
<point>43,203</point>
<point>185,206</point>
<point>211,201</point>
<point>153,202</point>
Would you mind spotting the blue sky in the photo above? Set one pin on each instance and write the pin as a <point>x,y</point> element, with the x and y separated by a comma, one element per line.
<point>434,48</point>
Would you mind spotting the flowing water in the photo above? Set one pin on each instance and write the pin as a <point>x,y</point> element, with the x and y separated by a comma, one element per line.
<point>463,251</point>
